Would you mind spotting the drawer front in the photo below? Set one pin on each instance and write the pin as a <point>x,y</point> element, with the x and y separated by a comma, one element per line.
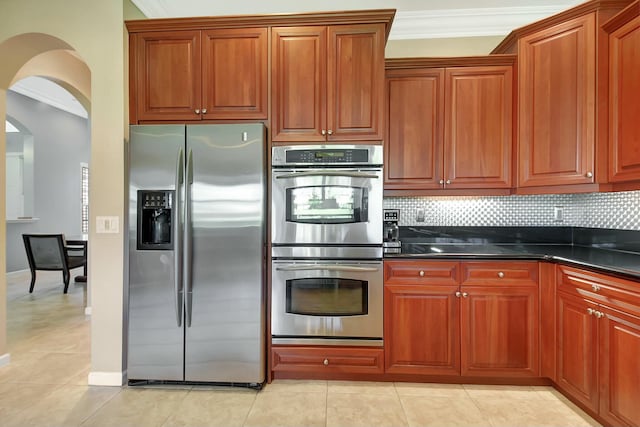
<point>421,272</point>
<point>327,359</point>
<point>615,292</point>
<point>508,273</point>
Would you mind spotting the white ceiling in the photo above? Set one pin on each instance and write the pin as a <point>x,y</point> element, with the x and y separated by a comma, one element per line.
<point>415,19</point>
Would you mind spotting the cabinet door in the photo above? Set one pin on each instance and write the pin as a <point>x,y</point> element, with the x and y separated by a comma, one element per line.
<point>299,84</point>
<point>624,87</point>
<point>168,75</point>
<point>478,127</point>
<point>499,331</point>
<point>422,330</point>
<point>413,147</point>
<point>557,104</point>
<point>577,349</point>
<point>355,85</point>
<point>234,74</point>
<point>619,367</point>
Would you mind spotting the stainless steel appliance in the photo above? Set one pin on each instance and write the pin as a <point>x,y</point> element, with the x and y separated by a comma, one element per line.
<point>391,232</point>
<point>327,194</point>
<point>196,254</point>
<point>327,272</point>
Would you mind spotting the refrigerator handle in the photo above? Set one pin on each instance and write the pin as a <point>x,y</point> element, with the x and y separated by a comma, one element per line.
<point>188,239</point>
<point>177,236</point>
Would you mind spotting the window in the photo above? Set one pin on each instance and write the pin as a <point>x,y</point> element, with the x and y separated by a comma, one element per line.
<point>85,197</point>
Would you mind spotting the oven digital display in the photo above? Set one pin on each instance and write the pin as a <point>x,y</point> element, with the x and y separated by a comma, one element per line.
<point>327,155</point>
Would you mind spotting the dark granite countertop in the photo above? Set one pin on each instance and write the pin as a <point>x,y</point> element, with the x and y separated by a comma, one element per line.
<point>589,251</point>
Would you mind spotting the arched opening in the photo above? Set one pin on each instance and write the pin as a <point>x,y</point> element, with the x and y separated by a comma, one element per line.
<point>46,56</point>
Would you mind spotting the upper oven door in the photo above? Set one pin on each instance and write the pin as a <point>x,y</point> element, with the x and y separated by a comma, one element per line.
<point>326,206</point>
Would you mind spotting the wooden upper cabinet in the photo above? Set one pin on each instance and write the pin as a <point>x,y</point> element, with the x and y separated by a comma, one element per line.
<point>557,104</point>
<point>624,88</point>
<point>195,75</point>
<point>415,118</point>
<point>167,78</point>
<point>298,83</point>
<point>327,83</point>
<point>449,127</point>
<point>478,127</point>
<point>234,70</point>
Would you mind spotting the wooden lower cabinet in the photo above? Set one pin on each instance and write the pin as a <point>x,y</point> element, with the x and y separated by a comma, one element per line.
<point>598,343</point>
<point>577,349</point>
<point>436,326</point>
<point>325,361</point>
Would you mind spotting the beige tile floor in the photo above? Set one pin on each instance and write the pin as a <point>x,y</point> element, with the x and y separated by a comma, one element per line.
<point>45,385</point>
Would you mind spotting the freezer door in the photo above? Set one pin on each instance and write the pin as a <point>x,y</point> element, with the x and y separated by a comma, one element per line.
<point>225,303</point>
<point>156,337</point>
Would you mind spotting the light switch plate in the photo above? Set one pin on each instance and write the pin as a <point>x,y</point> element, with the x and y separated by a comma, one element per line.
<point>107,224</point>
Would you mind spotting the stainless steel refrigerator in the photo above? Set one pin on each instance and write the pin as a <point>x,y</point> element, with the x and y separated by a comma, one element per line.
<point>196,253</point>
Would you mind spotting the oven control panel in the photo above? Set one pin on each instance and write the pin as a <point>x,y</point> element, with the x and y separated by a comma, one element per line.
<point>326,155</point>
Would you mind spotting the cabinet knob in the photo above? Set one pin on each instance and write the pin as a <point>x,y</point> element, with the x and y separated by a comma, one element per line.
<point>204,111</point>
<point>421,273</point>
<point>325,362</point>
<point>441,182</point>
<point>464,295</point>
<point>599,314</point>
<point>197,111</point>
<point>595,288</point>
<point>500,274</point>
<point>330,132</point>
<point>589,174</point>
<point>448,182</point>
<point>590,311</point>
<point>458,294</point>
<point>323,132</point>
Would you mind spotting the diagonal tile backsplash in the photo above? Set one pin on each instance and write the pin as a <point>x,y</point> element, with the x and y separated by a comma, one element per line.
<point>620,210</point>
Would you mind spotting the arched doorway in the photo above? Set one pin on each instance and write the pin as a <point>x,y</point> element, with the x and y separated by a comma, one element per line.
<point>36,54</point>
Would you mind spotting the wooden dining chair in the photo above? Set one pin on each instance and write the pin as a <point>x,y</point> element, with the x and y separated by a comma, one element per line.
<point>52,253</point>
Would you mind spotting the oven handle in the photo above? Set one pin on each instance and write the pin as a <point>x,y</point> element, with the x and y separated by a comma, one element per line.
<point>347,268</point>
<point>327,173</point>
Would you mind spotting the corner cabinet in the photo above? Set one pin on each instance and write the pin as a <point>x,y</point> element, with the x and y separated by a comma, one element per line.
<point>624,87</point>
<point>327,83</point>
<point>598,342</point>
<point>461,318</point>
<point>449,127</point>
<point>563,100</point>
<point>199,75</point>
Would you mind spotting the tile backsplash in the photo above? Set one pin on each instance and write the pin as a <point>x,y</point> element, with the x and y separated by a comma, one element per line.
<point>619,210</point>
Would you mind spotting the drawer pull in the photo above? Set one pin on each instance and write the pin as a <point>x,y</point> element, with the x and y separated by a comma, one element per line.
<point>500,274</point>
<point>325,362</point>
<point>421,273</point>
<point>595,288</point>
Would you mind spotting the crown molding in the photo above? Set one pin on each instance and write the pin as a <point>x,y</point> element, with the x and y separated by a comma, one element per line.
<point>46,96</point>
<point>450,23</point>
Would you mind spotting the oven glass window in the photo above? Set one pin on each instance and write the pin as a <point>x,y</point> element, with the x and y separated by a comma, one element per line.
<point>327,297</point>
<point>327,204</point>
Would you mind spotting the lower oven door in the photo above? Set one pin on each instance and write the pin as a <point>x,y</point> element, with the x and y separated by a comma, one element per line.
<point>333,300</point>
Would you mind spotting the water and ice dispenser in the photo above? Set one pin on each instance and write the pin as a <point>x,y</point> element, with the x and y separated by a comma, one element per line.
<point>155,219</point>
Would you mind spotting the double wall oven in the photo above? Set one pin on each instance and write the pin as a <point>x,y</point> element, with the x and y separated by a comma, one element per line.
<point>327,276</point>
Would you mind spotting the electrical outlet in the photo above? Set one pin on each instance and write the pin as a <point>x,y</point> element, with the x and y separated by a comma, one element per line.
<point>558,214</point>
<point>420,215</point>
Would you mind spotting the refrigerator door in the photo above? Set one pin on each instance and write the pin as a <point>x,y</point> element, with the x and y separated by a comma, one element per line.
<point>225,300</point>
<point>156,336</point>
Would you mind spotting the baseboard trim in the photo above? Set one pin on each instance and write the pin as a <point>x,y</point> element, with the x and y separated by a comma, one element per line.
<point>112,379</point>
<point>5,359</point>
<point>17,272</point>
<point>87,311</point>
